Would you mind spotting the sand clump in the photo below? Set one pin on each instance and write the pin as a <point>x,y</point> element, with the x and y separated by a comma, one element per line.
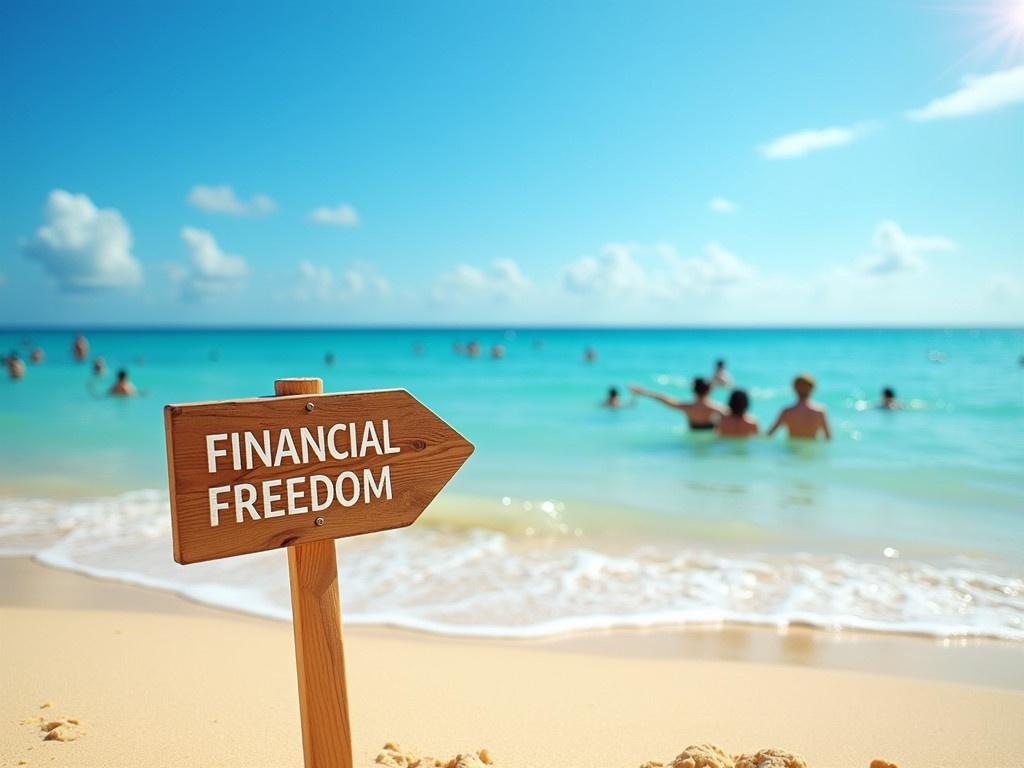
<point>55,729</point>
<point>694,756</point>
<point>393,756</point>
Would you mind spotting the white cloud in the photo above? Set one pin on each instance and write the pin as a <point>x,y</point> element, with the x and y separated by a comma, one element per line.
<point>222,199</point>
<point>341,215</point>
<point>976,95</point>
<point>717,268</point>
<point>211,270</point>
<point>83,247</point>
<point>896,251</point>
<point>722,205</point>
<point>504,281</point>
<point>804,142</point>
<point>633,271</point>
<point>316,282</point>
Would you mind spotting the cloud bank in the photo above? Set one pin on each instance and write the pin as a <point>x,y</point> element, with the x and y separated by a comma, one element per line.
<point>211,271</point>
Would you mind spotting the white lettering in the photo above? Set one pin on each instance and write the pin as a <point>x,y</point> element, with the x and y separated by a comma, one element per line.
<point>212,452</point>
<point>347,501</point>
<point>285,447</point>
<point>314,444</point>
<point>216,505</point>
<point>263,450</point>
<point>269,499</point>
<point>369,485</point>
<point>388,447</point>
<point>370,438</point>
<point>294,495</point>
<point>314,496</point>
<point>245,504</point>
<point>332,445</point>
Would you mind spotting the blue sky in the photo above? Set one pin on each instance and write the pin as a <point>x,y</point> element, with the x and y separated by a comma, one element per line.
<point>512,163</point>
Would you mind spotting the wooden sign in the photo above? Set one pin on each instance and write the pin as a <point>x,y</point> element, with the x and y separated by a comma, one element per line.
<point>298,471</point>
<point>251,475</point>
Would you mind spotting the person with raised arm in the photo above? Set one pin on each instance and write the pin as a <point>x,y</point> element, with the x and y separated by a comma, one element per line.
<point>702,413</point>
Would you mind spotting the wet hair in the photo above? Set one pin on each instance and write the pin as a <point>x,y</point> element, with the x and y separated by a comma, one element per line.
<point>122,374</point>
<point>701,386</point>
<point>804,384</point>
<point>739,402</point>
<point>720,363</point>
<point>889,393</point>
<point>613,392</point>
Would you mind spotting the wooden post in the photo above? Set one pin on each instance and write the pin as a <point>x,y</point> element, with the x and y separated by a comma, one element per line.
<point>319,656</point>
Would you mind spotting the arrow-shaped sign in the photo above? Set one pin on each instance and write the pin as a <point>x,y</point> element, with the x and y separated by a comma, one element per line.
<point>257,474</point>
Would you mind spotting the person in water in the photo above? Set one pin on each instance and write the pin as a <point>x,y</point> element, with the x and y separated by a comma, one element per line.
<point>80,349</point>
<point>15,366</point>
<point>122,387</point>
<point>720,377</point>
<point>889,401</point>
<point>614,399</point>
<point>738,423</point>
<point>803,419</point>
<point>702,413</point>
<point>99,366</point>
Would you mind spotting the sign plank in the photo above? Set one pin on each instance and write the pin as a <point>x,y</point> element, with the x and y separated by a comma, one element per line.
<point>262,473</point>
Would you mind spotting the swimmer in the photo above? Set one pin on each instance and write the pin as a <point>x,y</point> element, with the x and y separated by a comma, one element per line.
<point>122,387</point>
<point>99,366</point>
<point>80,349</point>
<point>497,351</point>
<point>613,400</point>
<point>889,401</point>
<point>589,355</point>
<point>37,355</point>
<point>720,377</point>
<point>15,366</point>
<point>702,413</point>
<point>473,349</point>
<point>803,419</point>
<point>417,348</point>
<point>737,423</point>
<point>329,359</point>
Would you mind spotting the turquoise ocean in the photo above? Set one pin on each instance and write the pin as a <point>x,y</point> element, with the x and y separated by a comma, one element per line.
<point>570,516</point>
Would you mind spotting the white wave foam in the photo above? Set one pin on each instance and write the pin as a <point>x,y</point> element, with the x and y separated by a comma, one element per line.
<point>480,582</point>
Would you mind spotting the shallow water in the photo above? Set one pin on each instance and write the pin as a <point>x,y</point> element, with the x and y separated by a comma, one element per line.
<point>569,515</point>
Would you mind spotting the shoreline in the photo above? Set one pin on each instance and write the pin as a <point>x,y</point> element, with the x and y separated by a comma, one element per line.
<point>158,681</point>
<point>26,583</point>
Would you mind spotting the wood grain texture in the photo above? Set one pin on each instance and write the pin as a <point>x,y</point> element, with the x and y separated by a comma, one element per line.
<point>430,453</point>
<point>319,654</point>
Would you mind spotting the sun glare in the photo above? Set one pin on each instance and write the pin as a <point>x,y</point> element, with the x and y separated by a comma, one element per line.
<point>999,25</point>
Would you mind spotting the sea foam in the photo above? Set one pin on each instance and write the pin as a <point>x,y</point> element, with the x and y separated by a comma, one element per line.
<point>477,581</point>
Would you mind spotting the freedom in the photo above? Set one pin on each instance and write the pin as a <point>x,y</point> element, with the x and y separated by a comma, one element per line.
<point>298,495</point>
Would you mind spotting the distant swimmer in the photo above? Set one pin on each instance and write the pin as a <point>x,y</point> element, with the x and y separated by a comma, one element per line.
<point>329,359</point>
<point>889,401</point>
<point>37,356</point>
<point>738,423</point>
<point>99,366</point>
<point>80,348</point>
<point>721,377</point>
<point>803,419</point>
<point>702,413</point>
<point>589,355</point>
<point>613,400</point>
<point>473,349</point>
<point>122,387</point>
<point>497,351</point>
<point>417,348</point>
<point>15,366</point>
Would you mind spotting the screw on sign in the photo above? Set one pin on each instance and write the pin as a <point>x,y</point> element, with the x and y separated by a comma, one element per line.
<point>299,470</point>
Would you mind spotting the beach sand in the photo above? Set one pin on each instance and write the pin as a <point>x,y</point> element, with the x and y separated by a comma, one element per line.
<point>156,681</point>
